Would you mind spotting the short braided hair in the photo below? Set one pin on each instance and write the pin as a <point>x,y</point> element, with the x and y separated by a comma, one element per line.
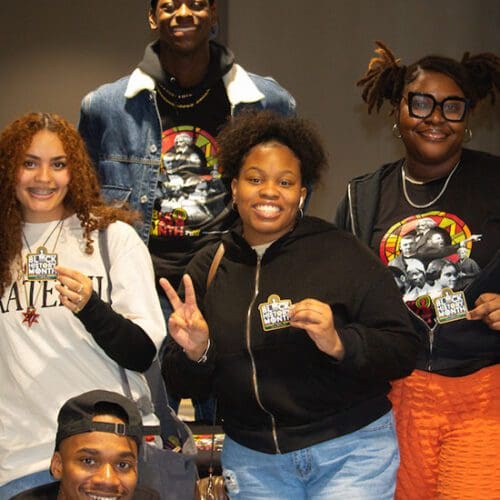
<point>478,76</point>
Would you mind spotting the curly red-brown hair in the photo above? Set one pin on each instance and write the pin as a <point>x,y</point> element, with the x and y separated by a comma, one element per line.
<point>83,197</point>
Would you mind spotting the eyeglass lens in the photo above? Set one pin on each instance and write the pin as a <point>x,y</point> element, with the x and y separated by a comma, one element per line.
<point>423,105</point>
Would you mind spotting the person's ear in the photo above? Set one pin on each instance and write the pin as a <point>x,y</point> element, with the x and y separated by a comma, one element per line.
<point>303,194</point>
<point>56,465</point>
<point>213,13</point>
<point>397,114</point>
<point>153,25</point>
<point>234,188</point>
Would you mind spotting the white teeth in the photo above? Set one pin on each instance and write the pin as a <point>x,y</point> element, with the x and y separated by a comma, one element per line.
<point>433,134</point>
<point>267,208</point>
<point>41,191</point>
<point>95,497</point>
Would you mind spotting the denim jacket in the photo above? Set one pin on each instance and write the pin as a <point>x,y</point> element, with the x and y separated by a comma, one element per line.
<point>121,126</point>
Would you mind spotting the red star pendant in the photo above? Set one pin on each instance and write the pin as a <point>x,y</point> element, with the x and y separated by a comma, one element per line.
<point>30,316</point>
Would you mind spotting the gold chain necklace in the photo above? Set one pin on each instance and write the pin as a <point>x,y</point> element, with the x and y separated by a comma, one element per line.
<point>30,315</point>
<point>187,95</point>
<point>183,106</point>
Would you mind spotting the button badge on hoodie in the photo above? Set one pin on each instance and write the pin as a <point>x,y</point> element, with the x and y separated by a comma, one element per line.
<point>41,265</point>
<point>274,313</point>
<point>450,306</point>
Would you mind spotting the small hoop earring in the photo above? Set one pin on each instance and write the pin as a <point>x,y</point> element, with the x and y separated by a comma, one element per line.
<point>233,205</point>
<point>468,134</point>
<point>301,213</point>
<point>395,131</point>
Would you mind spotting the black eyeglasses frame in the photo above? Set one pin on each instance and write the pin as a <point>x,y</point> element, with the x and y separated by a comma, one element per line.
<point>437,103</point>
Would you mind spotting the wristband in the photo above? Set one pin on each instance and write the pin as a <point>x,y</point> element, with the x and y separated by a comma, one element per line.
<point>204,356</point>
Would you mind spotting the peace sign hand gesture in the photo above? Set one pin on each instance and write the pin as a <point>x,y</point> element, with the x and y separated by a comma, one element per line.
<point>186,324</point>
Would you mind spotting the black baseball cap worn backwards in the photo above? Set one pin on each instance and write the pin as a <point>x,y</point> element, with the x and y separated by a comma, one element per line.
<point>75,416</point>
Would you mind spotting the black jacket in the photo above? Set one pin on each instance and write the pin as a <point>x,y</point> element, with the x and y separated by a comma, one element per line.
<point>277,392</point>
<point>461,347</point>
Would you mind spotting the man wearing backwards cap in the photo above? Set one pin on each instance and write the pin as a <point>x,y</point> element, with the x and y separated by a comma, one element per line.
<point>98,438</point>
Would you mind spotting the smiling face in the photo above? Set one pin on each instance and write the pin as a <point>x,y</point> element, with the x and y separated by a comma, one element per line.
<point>268,192</point>
<point>183,26</point>
<point>96,465</point>
<point>43,178</point>
<point>431,141</point>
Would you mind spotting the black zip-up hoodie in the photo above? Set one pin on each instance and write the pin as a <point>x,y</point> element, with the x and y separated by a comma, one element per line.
<point>277,391</point>
<point>458,348</point>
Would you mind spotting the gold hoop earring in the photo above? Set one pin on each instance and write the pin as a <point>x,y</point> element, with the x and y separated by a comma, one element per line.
<point>395,131</point>
<point>468,134</point>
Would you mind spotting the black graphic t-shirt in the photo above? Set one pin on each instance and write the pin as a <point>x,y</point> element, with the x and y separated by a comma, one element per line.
<point>191,200</point>
<point>190,193</point>
<point>442,246</point>
<point>191,197</point>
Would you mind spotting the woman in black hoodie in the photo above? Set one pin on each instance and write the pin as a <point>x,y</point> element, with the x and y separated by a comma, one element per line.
<point>292,334</point>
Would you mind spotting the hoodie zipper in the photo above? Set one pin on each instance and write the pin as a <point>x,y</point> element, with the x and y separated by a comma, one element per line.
<point>249,349</point>
<point>430,331</point>
<point>351,211</point>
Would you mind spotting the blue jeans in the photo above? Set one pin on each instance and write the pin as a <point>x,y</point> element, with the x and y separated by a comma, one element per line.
<point>358,466</point>
<point>203,409</point>
<point>25,483</point>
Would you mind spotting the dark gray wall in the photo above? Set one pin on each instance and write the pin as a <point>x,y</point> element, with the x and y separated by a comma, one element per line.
<point>318,49</point>
<point>54,51</point>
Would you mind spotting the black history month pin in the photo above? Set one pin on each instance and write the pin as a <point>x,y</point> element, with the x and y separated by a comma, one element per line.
<point>274,313</point>
<point>41,265</point>
<point>450,306</point>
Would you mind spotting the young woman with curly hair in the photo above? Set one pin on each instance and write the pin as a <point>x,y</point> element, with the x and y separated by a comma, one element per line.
<point>448,410</point>
<point>72,309</point>
<point>291,336</point>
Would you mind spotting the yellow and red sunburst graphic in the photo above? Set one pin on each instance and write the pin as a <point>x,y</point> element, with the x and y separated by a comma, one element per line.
<point>201,139</point>
<point>452,224</point>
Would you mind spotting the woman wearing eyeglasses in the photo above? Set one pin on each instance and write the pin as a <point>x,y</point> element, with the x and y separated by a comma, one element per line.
<point>448,409</point>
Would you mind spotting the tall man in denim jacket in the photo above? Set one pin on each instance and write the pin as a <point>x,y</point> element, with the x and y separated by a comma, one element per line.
<point>152,134</point>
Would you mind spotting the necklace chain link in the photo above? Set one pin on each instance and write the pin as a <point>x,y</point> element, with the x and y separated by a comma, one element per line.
<point>30,315</point>
<point>405,178</point>
<point>197,101</point>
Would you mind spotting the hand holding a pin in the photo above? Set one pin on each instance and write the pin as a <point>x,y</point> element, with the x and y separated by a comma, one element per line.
<point>74,288</point>
<point>186,324</point>
<point>487,309</point>
<point>316,318</point>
